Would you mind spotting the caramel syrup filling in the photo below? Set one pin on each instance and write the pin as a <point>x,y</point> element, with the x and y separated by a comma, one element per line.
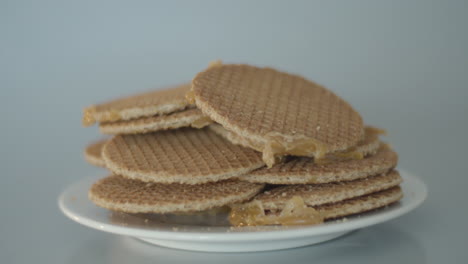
<point>202,122</point>
<point>340,156</point>
<point>295,212</point>
<point>190,97</point>
<point>88,116</point>
<point>276,147</point>
<point>369,130</point>
<point>215,63</point>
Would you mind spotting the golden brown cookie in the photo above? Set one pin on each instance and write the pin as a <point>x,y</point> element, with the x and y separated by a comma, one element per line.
<point>306,171</point>
<point>187,155</point>
<point>186,118</point>
<point>326,193</point>
<point>296,212</point>
<point>146,104</point>
<point>275,112</point>
<point>93,152</point>
<point>133,196</point>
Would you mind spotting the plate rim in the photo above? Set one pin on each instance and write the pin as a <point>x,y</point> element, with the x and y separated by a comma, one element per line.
<point>252,235</point>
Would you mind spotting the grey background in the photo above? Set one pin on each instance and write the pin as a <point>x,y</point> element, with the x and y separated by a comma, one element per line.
<point>402,64</point>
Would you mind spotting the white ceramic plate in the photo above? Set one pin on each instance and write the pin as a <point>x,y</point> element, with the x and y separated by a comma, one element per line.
<point>212,233</point>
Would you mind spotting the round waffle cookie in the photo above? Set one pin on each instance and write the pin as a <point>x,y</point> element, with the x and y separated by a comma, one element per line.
<point>190,117</point>
<point>367,146</point>
<point>327,193</point>
<point>133,196</point>
<point>187,155</point>
<point>141,105</point>
<point>295,211</point>
<point>306,171</point>
<point>93,152</point>
<point>275,112</point>
<point>360,204</point>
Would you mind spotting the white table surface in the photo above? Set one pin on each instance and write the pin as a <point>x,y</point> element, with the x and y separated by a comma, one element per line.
<point>404,66</point>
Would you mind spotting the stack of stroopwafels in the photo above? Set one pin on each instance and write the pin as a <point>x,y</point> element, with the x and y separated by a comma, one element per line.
<point>274,147</point>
